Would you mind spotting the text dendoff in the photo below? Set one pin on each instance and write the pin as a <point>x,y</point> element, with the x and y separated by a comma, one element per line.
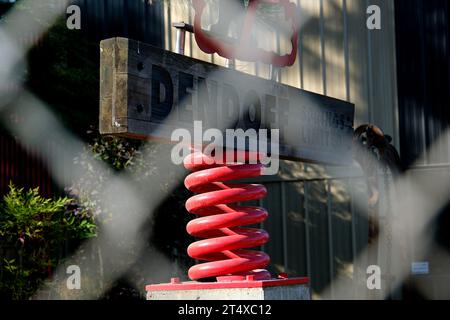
<point>147,93</point>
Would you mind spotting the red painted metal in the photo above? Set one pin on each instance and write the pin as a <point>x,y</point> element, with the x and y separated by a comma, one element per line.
<point>176,284</point>
<point>244,49</point>
<point>220,224</point>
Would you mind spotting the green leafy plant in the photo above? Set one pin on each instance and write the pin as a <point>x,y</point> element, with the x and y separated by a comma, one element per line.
<point>140,163</point>
<point>33,230</point>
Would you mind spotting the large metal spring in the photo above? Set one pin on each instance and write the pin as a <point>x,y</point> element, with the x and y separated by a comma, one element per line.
<point>224,241</point>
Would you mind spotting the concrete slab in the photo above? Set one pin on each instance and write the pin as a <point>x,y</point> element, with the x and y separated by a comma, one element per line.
<point>288,289</point>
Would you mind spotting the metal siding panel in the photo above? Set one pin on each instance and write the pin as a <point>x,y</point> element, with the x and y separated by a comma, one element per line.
<point>296,229</point>
<point>291,75</point>
<point>167,27</point>
<point>136,19</point>
<point>311,48</point>
<point>330,235</point>
<point>357,39</point>
<point>422,48</point>
<point>117,9</point>
<point>284,224</point>
<point>340,35</point>
<point>317,203</point>
<point>334,53</point>
<point>133,21</point>
<point>2,165</point>
<point>21,165</point>
<point>342,230</point>
<point>102,27</point>
<point>307,230</point>
<point>360,201</point>
<point>300,48</point>
<point>361,210</point>
<point>437,82</point>
<point>273,225</point>
<point>108,17</point>
<point>369,70</point>
<point>346,51</point>
<point>309,234</point>
<point>382,66</point>
<point>322,48</point>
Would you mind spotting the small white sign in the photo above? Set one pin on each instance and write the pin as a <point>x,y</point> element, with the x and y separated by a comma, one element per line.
<point>420,268</point>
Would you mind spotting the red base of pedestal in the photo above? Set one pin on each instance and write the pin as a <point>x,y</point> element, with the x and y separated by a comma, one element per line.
<point>176,284</point>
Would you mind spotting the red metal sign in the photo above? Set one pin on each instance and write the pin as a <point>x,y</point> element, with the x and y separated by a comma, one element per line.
<point>243,50</point>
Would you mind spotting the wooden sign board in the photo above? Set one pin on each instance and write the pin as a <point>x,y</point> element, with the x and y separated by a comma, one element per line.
<point>147,93</point>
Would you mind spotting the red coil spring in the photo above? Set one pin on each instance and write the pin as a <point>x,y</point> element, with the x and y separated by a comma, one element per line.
<point>220,223</point>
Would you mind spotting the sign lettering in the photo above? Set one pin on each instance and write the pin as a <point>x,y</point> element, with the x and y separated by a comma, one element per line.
<point>147,92</point>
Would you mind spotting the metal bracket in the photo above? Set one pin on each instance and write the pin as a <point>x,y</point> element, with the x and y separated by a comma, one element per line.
<point>182,28</point>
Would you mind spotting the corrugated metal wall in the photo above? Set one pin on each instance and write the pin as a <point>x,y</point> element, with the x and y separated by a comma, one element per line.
<point>338,55</point>
<point>423,41</point>
<point>20,165</point>
<point>315,229</point>
<point>137,19</point>
<point>101,19</point>
<point>315,226</point>
<point>424,78</point>
<point>317,214</point>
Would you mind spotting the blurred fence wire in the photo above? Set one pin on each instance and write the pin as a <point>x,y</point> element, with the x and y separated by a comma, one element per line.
<point>418,198</point>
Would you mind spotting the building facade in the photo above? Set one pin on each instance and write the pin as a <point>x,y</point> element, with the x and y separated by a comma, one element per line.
<point>397,77</point>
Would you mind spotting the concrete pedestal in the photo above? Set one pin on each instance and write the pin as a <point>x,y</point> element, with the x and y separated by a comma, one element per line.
<point>276,289</point>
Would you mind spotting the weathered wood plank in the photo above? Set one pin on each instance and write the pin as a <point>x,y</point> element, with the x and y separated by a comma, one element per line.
<point>147,92</point>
